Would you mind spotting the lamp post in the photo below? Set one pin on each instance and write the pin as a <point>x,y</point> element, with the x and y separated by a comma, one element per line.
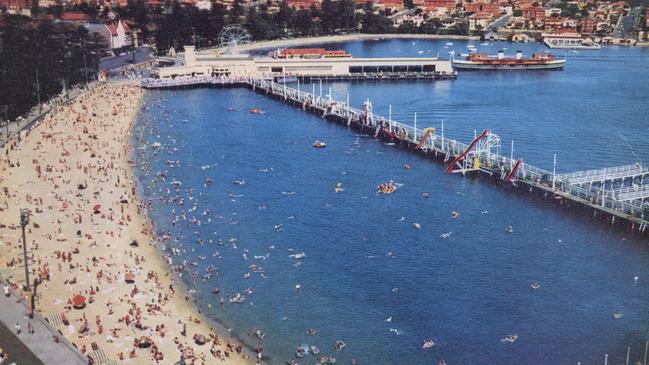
<point>5,109</point>
<point>24,221</point>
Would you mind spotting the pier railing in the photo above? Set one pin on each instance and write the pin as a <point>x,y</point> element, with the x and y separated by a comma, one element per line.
<point>490,162</point>
<point>570,186</point>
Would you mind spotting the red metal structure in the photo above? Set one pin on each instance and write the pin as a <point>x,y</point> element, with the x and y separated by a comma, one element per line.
<point>423,139</point>
<point>456,161</point>
<point>513,172</point>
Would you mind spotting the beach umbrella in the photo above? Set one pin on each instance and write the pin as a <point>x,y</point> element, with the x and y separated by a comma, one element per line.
<point>129,278</point>
<point>200,339</point>
<point>78,301</point>
<point>143,342</point>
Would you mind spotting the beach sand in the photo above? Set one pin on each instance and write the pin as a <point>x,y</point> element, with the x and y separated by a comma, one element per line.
<point>72,172</point>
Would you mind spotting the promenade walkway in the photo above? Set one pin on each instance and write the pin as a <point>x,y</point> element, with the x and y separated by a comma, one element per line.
<point>41,343</point>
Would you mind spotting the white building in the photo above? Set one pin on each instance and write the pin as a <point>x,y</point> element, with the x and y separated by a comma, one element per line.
<point>115,36</point>
<point>209,63</point>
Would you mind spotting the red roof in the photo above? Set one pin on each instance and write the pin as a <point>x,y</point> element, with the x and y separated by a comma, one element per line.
<point>481,15</point>
<point>75,16</point>
<point>113,28</point>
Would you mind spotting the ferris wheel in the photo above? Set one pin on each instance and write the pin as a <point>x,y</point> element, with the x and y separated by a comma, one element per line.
<point>234,35</point>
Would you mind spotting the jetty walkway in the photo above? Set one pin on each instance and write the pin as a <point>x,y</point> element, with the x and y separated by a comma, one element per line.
<point>612,193</point>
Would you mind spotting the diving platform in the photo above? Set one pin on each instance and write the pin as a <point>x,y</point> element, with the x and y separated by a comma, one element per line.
<point>605,174</point>
<point>632,193</point>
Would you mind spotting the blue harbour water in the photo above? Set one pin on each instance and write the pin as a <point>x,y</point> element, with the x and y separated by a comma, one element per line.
<point>364,260</point>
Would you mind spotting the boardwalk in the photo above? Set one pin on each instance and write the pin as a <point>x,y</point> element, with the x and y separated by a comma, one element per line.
<point>41,343</point>
<point>617,192</point>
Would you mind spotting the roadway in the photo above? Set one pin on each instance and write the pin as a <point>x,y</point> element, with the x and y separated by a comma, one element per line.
<point>141,55</point>
<point>38,347</point>
<point>626,24</point>
<point>17,351</point>
<point>498,23</point>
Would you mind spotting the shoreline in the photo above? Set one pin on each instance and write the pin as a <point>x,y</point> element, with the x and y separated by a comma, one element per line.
<point>248,349</point>
<point>340,39</point>
<point>115,314</point>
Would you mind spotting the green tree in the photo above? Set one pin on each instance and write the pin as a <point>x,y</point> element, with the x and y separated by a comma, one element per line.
<point>260,24</point>
<point>375,23</point>
<point>283,17</point>
<point>216,22</point>
<point>346,15</point>
<point>303,22</point>
<point>329,16</point>
<point>431,26</point>
<point>236,12</point>
<point>58,53</point>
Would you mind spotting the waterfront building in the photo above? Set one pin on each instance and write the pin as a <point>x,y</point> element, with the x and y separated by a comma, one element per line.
<point>209,63</point>
<point>568,39</point>
<point>479,21</point>
<point>116,36</point>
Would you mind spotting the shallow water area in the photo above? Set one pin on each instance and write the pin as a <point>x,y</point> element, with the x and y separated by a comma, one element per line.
<point>364,259</point>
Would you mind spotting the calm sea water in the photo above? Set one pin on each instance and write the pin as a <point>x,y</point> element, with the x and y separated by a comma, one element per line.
<point>364,260</point>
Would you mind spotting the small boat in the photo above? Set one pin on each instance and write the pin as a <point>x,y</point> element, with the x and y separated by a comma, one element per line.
<point>535,285</point>
<point>319,144</point>
<point>339,188</point>
<point>455,214</point>
<point>445,235</point>
<point>314,349</point>
<point>509,229</point>
<point>618,315</point>
<point>256,111</point>
<point>238,299</point>
<point>449,43</point>
<point>387,188</point>
<point>509,338</point>
<point>428,343</point>
<point>301,351</point>
<point>327,359</point>
<point>340,344</point>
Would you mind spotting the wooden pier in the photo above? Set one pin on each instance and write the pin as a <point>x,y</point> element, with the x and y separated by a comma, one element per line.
<point>617,194</point>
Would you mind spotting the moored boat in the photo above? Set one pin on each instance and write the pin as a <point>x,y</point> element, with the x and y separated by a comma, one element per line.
<point>480,61</point>
<point>319,144</point>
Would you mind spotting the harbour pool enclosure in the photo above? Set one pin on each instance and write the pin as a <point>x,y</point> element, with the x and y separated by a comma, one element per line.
<point>209,63</point>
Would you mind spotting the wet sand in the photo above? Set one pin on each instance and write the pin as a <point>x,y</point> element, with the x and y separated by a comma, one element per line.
<point>89,236</point>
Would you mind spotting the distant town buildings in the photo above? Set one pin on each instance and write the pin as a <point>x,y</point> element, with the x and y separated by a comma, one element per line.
<point>509,18</point>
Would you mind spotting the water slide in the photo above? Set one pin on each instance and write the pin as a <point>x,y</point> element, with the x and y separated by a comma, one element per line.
<point>461,156</point>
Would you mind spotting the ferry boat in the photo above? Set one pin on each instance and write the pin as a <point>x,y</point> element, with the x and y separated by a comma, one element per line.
<point>479,61</point>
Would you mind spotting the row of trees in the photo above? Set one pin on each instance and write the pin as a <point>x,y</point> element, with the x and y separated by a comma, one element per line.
<point>42,58</point>
<point>179,25</point>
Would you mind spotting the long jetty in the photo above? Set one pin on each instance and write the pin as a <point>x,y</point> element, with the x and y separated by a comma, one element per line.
<point>616,194</point>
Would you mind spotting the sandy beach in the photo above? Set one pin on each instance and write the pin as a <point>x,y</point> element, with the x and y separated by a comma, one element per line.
<point>103,282</point>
